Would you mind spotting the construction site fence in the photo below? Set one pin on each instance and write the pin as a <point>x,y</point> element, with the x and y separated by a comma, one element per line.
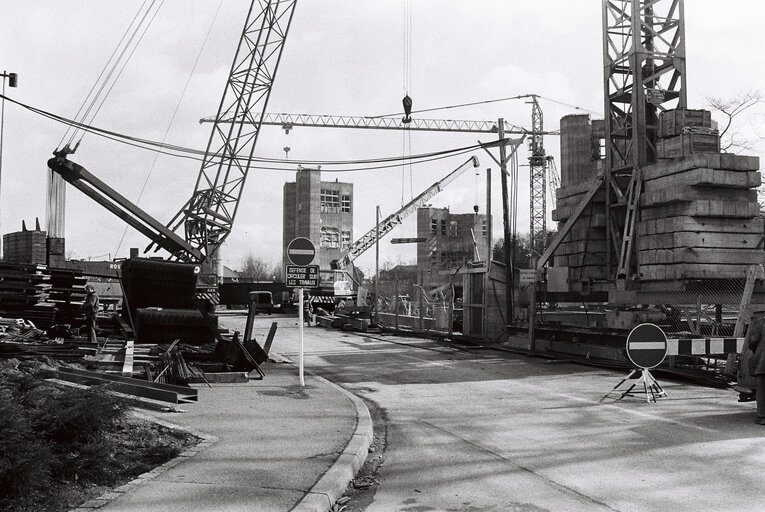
<point>700,308</point>
<point>696,309</point>
<point>418,315</point>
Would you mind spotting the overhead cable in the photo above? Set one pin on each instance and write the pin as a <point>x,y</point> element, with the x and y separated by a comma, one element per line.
<point>196,154</point>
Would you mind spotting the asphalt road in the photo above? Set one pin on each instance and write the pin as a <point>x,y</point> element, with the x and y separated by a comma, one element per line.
<point>479,430</point>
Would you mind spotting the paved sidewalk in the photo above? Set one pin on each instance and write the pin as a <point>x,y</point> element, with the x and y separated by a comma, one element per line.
<point>270,446</point>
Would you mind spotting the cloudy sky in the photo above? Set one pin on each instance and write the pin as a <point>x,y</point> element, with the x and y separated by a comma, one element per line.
<point>341,57</point>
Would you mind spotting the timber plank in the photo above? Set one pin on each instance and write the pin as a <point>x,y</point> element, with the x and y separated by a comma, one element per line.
<point>702,208</point>
<point>704,177</point>
<point>581,246</point>
<point>726,161</point>
<point>700,224</point>
<point>701,255</point>
<point>683,239</point>
<point>692,271</point>
<point>684,194</point>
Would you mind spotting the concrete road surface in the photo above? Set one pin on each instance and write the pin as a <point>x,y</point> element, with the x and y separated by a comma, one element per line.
<point>481,430</point>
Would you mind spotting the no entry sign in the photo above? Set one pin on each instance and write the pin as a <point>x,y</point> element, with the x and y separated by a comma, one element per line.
<point>647,346</point>
<point>301,251</point>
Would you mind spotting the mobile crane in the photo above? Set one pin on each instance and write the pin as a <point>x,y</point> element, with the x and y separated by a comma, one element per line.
<point>207,217</point>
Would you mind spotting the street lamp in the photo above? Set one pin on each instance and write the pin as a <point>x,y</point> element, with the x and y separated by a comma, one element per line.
<point>13,80</point>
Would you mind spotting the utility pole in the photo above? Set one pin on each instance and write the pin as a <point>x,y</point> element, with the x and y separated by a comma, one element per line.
<point>506,224</point>
<point>508,237</point>
<point>12,82</point>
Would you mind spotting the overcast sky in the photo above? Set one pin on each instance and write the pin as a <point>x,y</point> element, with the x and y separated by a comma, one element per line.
<point>341,57</point>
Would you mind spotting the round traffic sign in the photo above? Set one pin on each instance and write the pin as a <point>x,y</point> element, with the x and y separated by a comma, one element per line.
<point>647,346</point>
<point>301,251</point>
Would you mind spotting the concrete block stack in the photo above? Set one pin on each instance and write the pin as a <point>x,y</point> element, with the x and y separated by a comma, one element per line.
<point>583,250</point>
<point>698,214</point>
<point>698,217</point>
<point>685,131</point>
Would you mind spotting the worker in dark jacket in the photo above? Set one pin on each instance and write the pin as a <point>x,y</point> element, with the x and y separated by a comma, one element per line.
<point>90,308</point>
<point>755,342</point>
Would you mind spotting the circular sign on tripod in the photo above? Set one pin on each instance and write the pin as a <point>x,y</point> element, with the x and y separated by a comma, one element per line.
<point>647,346</point>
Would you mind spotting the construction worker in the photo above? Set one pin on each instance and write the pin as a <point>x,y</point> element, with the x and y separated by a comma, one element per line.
<point>757,363</point>
<point>90,308</point>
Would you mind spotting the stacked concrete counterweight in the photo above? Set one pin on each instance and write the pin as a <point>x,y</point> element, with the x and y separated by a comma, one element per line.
<point>583,250</point>
<point>698,215</point>
<point>698,210</point>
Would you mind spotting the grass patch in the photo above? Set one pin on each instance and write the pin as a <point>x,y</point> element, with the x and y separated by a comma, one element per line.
<point>62,447</point>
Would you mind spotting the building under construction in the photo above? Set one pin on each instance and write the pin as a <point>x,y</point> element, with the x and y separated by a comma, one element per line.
<point>452,241</point>
<point>321,211</point>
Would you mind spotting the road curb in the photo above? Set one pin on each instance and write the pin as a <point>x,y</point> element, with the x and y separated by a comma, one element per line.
<point>332,484</point>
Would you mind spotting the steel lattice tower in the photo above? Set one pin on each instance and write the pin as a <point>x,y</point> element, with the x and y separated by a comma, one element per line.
<point>539,164</point>
<point>644,74</point>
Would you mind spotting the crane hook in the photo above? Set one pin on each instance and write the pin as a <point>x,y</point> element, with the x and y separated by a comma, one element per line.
<point>407,101</point>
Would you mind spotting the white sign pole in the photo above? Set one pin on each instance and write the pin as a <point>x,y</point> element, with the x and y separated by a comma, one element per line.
<point>300,323</point>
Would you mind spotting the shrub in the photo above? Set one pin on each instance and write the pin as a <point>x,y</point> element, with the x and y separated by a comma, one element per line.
<point>73,418</point>
<point>24,461</point>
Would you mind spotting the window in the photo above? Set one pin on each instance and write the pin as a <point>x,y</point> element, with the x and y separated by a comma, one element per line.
<point>345,206</point>
<point>329,238</point>
<point>454,228</point>
<point>433,226</point>
<point>443,226</point>
<point>346,236</point>
<point>330,201</point>
<point>484,228</point>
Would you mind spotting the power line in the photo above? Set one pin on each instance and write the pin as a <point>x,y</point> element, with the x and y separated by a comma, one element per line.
<point>196,154</point>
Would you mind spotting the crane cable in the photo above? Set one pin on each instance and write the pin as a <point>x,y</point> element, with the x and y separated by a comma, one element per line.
<point>172,118</point>
<point>495,100</point>
<point>112,71</point>
<point>407,85</point>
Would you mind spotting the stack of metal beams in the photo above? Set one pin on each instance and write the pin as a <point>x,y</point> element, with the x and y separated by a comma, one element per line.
<point>23,287</point>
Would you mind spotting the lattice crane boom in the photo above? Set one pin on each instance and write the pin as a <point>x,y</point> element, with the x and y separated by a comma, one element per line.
<point>386,225</point>
<point>289,121</point>
<point>207,217</point>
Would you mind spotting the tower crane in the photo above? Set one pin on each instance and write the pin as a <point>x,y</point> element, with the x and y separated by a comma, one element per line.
<point>207,217</point>
<point>541,164</point>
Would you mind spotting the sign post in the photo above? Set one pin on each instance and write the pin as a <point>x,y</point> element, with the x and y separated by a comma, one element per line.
<point>301,273</point>
<point>646,347</point>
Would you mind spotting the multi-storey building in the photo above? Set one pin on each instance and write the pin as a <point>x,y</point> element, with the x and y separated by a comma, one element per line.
<point>321,211</point>
<point>452,240</point>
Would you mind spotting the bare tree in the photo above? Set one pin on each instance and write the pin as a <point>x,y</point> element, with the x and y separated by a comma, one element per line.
<point>259,269</point>
<point>730,108</point>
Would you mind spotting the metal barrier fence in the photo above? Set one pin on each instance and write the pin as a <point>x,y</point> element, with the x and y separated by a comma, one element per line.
<point>421,315</point>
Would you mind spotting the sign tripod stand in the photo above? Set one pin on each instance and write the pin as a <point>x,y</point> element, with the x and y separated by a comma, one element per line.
<point>646,348</point>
